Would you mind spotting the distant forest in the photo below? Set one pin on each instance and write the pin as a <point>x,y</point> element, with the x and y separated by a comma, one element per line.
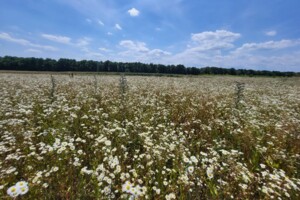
<point>63,64</point>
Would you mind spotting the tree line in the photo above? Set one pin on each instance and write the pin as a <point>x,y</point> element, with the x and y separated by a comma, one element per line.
<point>63,64</point>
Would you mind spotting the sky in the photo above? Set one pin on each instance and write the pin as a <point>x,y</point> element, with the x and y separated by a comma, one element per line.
<point>243,34</point>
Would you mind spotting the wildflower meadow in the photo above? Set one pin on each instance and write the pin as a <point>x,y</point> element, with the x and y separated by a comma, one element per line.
<point>141,137</point>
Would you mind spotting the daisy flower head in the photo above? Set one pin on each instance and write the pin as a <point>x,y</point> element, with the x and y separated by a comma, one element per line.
<point>144,190</point>
<point>139,190</point>
<point>127,187</point>
<point>133,191</point>
<point>262,166</point>
<point>24,189</point>
<point>107,142</point>
<point>21,184</point>
<point>210,172</point>
<point>170,196</point>
<point>194,159</point>
<point>186,160</point>
<point>190,169</point>
<point>13,191</point>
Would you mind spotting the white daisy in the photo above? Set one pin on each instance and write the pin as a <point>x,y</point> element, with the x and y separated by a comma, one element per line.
<point>127,187</point>
<point>24,189</point>
<point>190,169</point>
<point>13,191</point>
<point>21,184</point>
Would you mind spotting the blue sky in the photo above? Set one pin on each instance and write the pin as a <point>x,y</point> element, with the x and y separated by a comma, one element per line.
<point>256,34</point>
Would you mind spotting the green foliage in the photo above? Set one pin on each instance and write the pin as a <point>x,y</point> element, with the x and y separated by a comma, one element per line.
<point>63,64</point>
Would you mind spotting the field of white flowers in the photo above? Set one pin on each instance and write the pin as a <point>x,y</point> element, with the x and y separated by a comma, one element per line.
<point>113,137</point>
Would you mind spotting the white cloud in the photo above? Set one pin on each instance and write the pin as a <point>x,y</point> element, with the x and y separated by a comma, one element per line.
<point>89,21</point>
<point>159,52</point>
<point>269,45</point>
<point>100,22</point>
<point>208,40</point>
<point>117,26</point>
<point>271,33</point>
<point>134,46</point>
<point>104,49</point>
<point>286,61</point>
<point>94,9</point>
<point>138,51</point>
<point>109,33</point>
<point>207,49</point>
<point>9,38</point>
<point>33,51</point>
<point>133,12</point>
<point>57,38</point>
<point>83,41</point>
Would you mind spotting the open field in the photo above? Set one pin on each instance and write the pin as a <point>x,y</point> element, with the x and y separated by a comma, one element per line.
<point>111,137</point>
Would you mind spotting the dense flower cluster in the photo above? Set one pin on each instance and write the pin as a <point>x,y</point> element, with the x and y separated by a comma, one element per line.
<point>20,188</point>
<point>96,137</point>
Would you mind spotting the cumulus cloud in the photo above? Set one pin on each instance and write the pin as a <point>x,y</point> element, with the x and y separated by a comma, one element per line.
<point>211,49</point>
<point>134,46</point>
<point>133,12</point>
<point>138,51</point>
<point>117,26</point>
<point>206,47</point>
<point>20,41</point>
<point>208,40</point>
<point>57,38</point>
<point>271,33</point>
